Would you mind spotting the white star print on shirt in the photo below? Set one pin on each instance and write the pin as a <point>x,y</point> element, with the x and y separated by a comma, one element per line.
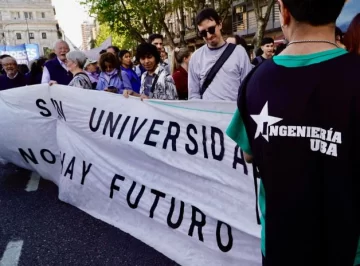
<point>262,120</point>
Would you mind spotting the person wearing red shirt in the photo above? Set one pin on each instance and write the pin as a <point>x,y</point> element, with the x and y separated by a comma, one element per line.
<point>180,65</point>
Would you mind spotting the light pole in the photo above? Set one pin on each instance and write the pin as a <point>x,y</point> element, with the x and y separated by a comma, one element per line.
<point>8,37</point>
<point>27,26</point>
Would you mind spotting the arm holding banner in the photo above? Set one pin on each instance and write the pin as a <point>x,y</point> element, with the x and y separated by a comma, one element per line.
<point>127,93</point>
<point>46,75</point>
<point>126,81</point>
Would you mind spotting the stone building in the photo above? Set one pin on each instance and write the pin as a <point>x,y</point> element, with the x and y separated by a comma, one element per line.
<point>28,21</point>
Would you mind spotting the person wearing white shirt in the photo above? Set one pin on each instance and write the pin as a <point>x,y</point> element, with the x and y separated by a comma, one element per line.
<point>56,70</point>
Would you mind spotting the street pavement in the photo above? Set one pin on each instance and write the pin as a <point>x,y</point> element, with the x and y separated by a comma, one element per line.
<point>38,229</point>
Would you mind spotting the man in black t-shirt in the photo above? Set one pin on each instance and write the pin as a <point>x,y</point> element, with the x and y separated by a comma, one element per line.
<point>303,134</point>
<point>267,48</point>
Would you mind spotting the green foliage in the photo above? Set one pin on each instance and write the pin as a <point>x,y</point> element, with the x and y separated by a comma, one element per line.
<point>92,43</point>
<point>134,19</point>
<point>123,41</point>
<point>130,17</point>
<point>262,19</point>
<point>47,51</point>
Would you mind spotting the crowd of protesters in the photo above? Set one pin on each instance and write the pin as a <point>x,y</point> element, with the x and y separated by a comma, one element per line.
<point>312,199</point>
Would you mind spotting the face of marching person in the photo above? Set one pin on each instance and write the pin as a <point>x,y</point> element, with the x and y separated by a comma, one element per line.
<point>126,60</point>
<point>71,65</point>
<point>92,68</point>
<point>210,32</point>
<point>61,49</point>
<point>109,67</point>
<point>268,49</point>
<point>149,62</point>
<point>10,66</point>
<point>158,43</point>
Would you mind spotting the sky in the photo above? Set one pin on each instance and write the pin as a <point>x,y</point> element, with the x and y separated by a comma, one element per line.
<point>350,10</point>
<point>70,15</point>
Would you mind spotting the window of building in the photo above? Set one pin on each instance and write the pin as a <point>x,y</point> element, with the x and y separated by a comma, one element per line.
<point>15,15</point>
<point>43,35</point>
<point>42,14</point>
<point>28,15</point>
<point>18,36</point>
<point>240,18</point>
<point>31,36</point>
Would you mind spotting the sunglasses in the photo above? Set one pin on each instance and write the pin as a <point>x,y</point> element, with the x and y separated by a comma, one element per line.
<point>203,33</point>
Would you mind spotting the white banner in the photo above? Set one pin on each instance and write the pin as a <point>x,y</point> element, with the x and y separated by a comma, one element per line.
<point>94,54</point>
<point>163,171</point>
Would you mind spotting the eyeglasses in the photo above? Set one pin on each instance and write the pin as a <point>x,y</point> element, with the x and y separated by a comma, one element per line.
<point>211,30</point>
<point>9,65</point>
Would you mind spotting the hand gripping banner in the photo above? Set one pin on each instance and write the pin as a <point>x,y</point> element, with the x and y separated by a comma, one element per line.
<point>162,171</point>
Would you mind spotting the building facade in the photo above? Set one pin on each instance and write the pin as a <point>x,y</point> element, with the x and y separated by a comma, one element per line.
<point>244,20</point>
<point>28,21</point>
<point>88,32</point>
<point>172,20</point>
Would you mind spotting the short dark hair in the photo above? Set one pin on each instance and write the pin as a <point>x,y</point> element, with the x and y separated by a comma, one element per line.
<point>108,58</point>
<point>115,48</point>
<point>103,51</point>
<point>315,12</point>
<point>154,36</point>
<point>146,49</point>
<point>122,53</point>
<point>267,40</point>
<point>208,13</point>
<point>259,52</point>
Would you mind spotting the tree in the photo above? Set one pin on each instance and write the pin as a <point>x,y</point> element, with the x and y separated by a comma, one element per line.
<point>92,43</point>
<point>261,19</point>
<point>133,17</point>
<point>138,18</point>
<point>123,41</point>
<point>47,51</point>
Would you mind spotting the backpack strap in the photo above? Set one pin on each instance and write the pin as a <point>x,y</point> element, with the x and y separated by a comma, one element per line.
<point>86,78</point>
<point>155,81</point>
<point>260,59</point>
<point>216,67</point>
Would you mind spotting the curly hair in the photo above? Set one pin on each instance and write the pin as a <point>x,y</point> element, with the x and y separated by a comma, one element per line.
<point>108,58</point>
<point>146,49</point>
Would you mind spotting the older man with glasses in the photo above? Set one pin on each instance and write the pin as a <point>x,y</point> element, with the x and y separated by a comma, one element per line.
<point>55,69</point>
<point>13,77</point>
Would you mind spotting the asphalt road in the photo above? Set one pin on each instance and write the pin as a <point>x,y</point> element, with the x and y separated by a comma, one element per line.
<point>38,229</point>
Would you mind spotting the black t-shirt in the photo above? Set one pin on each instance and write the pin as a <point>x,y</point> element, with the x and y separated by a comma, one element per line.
<point>258,60</point>
<point>303,126</point>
